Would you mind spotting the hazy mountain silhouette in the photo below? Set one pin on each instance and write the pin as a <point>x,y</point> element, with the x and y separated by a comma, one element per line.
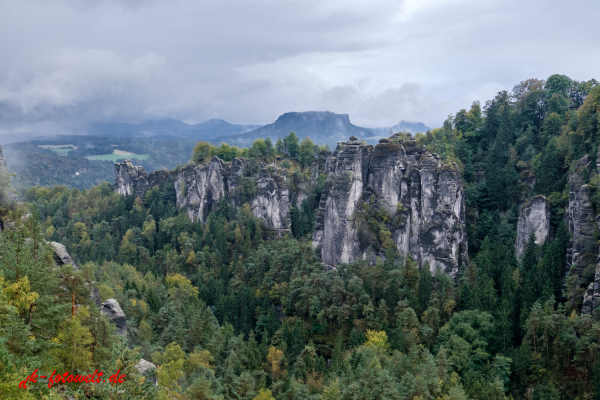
<point>170,127</point>
<point>323,127</point>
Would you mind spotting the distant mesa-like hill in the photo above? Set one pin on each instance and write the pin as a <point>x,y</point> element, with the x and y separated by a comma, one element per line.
<point>207,130</point>
<point>323,127</point>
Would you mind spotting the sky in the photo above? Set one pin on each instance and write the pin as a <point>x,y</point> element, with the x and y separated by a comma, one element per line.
<point>66,63</point>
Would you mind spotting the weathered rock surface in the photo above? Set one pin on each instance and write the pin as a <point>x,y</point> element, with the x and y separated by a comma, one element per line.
<point>199,187</point>
<point>6,223</point>
<point>143,366</point>
<point>271,202</point>
<point>591,299</point>
<point>581,221</point>
<point>410,183</point>
<point>130,179</point>
<point>430,193</point>
<point>61,255</point>
<point>115,314</point>
<point>534,218</point>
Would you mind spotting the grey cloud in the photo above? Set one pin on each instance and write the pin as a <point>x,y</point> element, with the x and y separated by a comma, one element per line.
<point>69,62</point>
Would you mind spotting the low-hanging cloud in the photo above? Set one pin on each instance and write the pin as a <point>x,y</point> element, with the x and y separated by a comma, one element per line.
<point>66,63</point>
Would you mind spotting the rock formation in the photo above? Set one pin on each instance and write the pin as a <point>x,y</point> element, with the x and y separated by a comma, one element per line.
<point>580,219</point>
<point>404,179</point>
<point>534,218</point>
<point>115,314</point>
<point>61,255</point>
<point>271,202</point>
<point>591,298</point>
<point>423,196</point>
<point>130,179</point>
<point>199,187</point>
<point>144,366</point>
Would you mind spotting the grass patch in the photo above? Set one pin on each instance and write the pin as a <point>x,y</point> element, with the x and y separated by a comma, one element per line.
<point>61,151</point>
<point>117,157</point>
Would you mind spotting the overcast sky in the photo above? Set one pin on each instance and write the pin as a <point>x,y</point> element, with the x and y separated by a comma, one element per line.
<point>65,63</point>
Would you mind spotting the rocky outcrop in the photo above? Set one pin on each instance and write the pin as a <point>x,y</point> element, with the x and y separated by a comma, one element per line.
<point>144,366</point>
<point>115,314</point>
<point>130,180</point>
<point>591,299</point>
<point>199,187</point>
<point>271,202</point>
<point>580,220</point>
<point>423,197</point>
<point>407,181</point>
<point>61,255</point>
<point>533,218</point>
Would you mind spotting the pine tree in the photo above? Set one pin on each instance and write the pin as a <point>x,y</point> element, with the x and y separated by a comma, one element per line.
<point>425,286</point>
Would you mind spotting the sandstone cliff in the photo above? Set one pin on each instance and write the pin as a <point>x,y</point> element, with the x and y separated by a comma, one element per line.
<point>534,218</point>
<point>423,197</point>
<point>419,199</point>
<point>199,187</point>
<point>591,299</point>
<point>580,219</point>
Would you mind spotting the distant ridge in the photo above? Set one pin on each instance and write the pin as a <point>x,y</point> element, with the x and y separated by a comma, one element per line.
<point>207,130</point>
<point>323,127</point>
<point>412,127</point>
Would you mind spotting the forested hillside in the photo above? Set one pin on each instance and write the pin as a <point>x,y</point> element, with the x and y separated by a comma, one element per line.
<point>236,303</point>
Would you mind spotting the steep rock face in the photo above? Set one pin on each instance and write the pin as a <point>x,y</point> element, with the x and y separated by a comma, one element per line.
<point>130,179</point>
<point>199,187</point>
<point>405,179</point>
<point>115,314</point>
<point>591,299</point>
<point>580,219</point>
<point>271,202</point>
<point>335,234</point>
<point>534,218</point>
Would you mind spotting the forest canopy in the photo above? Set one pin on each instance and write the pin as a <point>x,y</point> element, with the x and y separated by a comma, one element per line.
<point>229,310</point>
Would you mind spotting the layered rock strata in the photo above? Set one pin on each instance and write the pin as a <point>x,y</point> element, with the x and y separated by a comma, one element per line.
<point>591,299</point>
<point>406,179</point>
<point>580,220</point>
<point>533,218</point>
<point>199,187</point>
<point>130,180</point>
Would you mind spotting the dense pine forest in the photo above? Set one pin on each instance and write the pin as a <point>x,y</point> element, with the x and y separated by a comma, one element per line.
<point>229,309</point>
